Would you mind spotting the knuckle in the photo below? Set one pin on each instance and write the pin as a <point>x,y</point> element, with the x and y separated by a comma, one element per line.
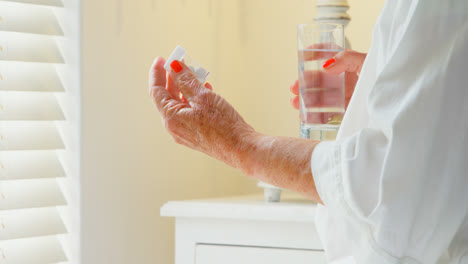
<point>204,97</point>
<point>187,79</point>
<point>185,76</point>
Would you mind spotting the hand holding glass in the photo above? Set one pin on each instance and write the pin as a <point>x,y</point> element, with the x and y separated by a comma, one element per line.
<point>321,94</point>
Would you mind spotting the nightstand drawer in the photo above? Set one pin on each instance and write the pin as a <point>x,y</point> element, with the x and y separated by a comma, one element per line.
<point>216,254</point>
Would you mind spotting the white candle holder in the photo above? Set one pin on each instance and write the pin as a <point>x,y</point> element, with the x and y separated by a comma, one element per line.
<point>328,11</point>
<point>272,193</point>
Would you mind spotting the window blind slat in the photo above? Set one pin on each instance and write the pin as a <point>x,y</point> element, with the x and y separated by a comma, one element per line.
<point>57,3</point>
<point>17,224</point>
<point>28,19</point>
<point>29,48</point>
<point>20,165</point>
<point>29,106</point>
<point>42,250</point>
<point>38,135</point>
<point>22,194</point>
<point>32,122</point>
<point>35,77</point>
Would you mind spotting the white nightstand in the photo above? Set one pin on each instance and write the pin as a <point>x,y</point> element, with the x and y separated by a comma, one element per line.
<point>245,230</point>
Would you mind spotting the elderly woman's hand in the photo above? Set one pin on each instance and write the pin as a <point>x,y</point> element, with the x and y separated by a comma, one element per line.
<point>204,121</point>
<point>200,119</point>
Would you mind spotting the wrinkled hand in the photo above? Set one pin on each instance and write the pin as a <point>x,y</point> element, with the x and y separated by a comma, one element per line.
<point>347,61</point>
<point>201,119</point>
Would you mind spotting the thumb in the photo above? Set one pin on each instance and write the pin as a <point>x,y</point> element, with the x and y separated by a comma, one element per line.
<point>345,61</point>
<point>187,82</point>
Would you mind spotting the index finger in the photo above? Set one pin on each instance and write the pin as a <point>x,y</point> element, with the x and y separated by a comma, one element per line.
<point>187,82</point>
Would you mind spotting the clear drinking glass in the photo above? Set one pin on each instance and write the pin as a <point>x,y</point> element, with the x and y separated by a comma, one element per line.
<point>321,95</point>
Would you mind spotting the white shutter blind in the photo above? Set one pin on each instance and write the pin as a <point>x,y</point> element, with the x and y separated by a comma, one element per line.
<point>31,196</point>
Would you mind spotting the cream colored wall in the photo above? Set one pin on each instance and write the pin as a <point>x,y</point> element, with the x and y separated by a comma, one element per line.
<point>363,15</point>
<point>130,166</point>
<point>269,41</point>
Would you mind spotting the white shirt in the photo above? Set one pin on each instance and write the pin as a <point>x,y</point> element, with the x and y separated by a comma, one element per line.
<point>395,182</point>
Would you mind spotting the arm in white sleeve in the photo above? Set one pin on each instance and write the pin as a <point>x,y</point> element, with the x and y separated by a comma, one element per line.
<point>401,182</point>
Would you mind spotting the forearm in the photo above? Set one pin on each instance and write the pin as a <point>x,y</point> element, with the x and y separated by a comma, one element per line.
<point>281,161</point>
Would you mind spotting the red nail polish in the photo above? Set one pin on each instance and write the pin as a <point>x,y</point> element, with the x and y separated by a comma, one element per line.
<point>328,63</point>
<point>175,65</point>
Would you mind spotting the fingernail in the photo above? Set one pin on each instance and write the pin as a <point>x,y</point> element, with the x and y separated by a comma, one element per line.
<point>176,67</point>
<point>328,63</point>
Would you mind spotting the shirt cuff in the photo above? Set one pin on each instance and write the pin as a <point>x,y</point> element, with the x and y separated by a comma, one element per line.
<point>326,166</point>
<point>326,170</point>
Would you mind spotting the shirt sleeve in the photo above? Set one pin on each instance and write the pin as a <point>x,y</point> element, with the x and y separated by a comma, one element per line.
<point>399,184</point>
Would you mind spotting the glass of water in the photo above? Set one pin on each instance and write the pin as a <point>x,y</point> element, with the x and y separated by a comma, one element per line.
<point>321,95</point>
